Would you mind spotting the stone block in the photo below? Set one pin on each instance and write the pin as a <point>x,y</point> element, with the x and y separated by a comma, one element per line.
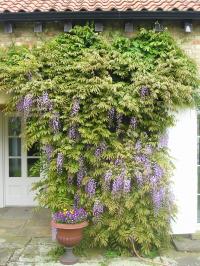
<point>186,245</point>
<point>195,236</point>
<point>35,231</point>
<point>5,255</point>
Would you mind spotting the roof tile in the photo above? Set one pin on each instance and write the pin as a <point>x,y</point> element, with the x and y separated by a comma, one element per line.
<point>92,5</point>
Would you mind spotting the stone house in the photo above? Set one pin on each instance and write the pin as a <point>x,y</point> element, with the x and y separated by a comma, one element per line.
<point>33,22</point>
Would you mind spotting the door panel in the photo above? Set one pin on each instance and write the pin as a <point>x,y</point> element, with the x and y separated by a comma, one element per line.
<point>18,178</point>
<point>1,162</point>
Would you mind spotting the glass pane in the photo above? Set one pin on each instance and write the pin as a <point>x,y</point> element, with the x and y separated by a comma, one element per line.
<point>14,167</point>
<point>198,153</point>
<point>34,150</point>
<point>32,171</point>
<point>198,210</point>
<point>198,125</point>
<point>198,180</point>
<point>14,147</point>
<point>14,126</point>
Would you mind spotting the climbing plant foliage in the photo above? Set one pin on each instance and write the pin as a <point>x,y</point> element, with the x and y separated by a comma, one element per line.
<point>100,111</point>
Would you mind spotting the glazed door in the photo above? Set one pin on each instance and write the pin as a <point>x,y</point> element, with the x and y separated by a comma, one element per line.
<point>1,161</point>
<point>18,163</point>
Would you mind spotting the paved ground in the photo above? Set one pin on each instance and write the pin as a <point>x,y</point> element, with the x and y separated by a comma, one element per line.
<point>25,240</point>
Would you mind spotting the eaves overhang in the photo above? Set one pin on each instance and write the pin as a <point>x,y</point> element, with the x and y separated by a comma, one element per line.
<point>99,15</point>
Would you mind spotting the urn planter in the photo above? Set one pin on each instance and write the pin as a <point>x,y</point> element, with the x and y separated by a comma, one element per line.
<point>69,235</point>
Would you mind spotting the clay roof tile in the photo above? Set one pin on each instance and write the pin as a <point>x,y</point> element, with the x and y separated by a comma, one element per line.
<point>92,5</point>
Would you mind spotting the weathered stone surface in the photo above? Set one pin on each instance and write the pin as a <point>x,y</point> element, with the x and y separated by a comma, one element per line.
<point>187,245</point>
<point>195,236</point>
<point>42,217</point>
<point>16,255</point>
<point>42,241</point>
<point>28,243</point>
<point>20,264</point>
<point>189,261</point>
<point>11,223</point>
<point>13,242</point>
<point>3,211</point>
<point>35,231</point>
<point>5,255</point>
<point>17,213</point>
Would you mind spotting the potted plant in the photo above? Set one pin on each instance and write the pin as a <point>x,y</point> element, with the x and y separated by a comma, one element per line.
<point>69,225</point>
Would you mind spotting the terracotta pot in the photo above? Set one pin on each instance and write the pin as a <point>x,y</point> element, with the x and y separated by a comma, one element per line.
<point>69,235</point>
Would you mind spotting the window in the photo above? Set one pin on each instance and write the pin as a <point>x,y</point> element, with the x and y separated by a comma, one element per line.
<point>198,168</point>
<point>14,142</point>
<point>20,161</point>
<point>32,159</point>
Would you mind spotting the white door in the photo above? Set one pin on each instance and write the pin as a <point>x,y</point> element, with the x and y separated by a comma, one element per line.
<point>183,149</point>
<point>1,161</point>
<point>18,163</point>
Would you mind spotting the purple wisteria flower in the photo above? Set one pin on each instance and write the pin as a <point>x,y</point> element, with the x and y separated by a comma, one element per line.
<point>133,122</point>
<point>25,105</point>
<point>158,198</point>
<point>163,141</point>
<point>82,171</point>
<point>118,161</point>
<point>48,150</point>
<point>148,149</point>
<point>76,201</point>
<point>142,158</point>
<point>127,185</point>
<point>139,178</point>
<point>60,160</point>
<point>144,161</point>
<point>91,187</point>
<point>75,107</point>
<point>55,123</point>
<point>158,170</point>
<point>157,175</point>
<point>100,149</point>
<point>98,209</point>
<point>144,91</point>
<point>44,102</point>
<point>72,132</point>
<point>20,105</point>
<point>111,116</point>
<point>138,145</point>
<point>107,179</point>
<point>107,176</point>
<point>123,171</point>
<point>70,217</point>
<point>118,184</point>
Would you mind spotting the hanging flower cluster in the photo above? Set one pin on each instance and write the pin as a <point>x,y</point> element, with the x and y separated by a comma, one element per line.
<point>91,187</point>
<point>97,209</point>
<point>133,122</point>
<point>144,91</point>
<point>82,171</point>
<point>25,105</point>
<point>55,123</point>
<point>48,150</point>
<point>44,103</point>
<point>60,160</point>
<point>75,107</point>
<point>100,149</point>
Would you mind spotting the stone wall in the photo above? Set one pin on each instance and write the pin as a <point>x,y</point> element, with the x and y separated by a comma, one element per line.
<point>23,34</point>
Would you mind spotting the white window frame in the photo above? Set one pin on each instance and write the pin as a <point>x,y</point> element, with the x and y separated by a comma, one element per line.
<point>2,161</point>
<point>198,166</point>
